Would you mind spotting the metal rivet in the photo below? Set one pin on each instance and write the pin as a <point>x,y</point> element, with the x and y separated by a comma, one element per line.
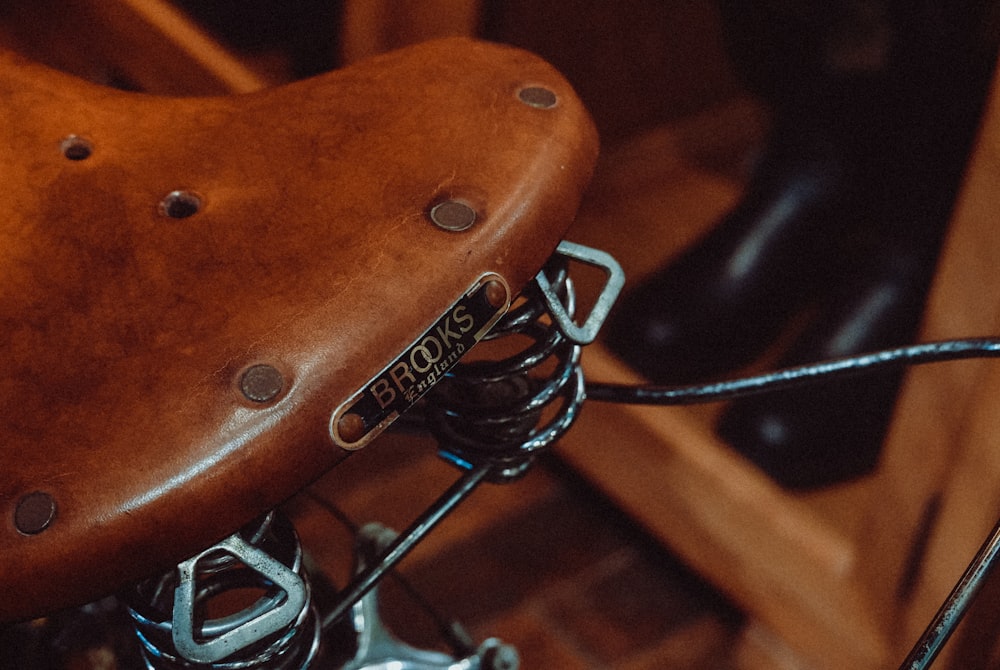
<point>351,427</point>
<point>496,293</point>
<point>538,96</point>
<point>76,148</point>
<point>453,215</point>
<point>261,383</point>
<point>180,204</point>
<point>34,513</point>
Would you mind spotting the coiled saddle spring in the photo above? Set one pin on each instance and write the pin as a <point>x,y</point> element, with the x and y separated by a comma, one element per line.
<point>506,411</point>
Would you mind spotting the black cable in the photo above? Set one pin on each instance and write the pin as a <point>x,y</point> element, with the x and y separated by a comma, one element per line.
<point>931,352</point>
<point>453,633</point>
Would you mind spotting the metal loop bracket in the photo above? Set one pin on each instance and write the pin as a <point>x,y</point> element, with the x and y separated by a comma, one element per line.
<point>586,332</point>
<point>229,636</point>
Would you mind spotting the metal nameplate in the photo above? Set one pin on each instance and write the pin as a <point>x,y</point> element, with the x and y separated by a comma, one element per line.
<point>404,381</point>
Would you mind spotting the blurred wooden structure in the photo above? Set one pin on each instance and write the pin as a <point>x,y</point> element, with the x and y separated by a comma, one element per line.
<point>845,577</point>
<point>370,27</point>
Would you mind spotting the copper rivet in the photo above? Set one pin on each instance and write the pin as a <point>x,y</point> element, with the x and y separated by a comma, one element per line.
<point>453,215</point>
<point>76,148</point>
<point>496,293</point>
<point>34,513</point>
<point>180,204</point>
<point>537,96</point>
<point>261,383</point>
<point>351,427</point>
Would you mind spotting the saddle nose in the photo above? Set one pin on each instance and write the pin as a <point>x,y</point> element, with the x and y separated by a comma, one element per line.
<point>192,288</point>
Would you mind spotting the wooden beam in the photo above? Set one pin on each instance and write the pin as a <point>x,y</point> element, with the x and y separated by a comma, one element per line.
<point>767,550</point>
<point>145,44</point>
<point>372,27</point>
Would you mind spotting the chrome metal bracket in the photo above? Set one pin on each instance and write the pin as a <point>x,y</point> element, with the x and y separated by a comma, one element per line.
<point>586,332</point>
<point>223,637</point>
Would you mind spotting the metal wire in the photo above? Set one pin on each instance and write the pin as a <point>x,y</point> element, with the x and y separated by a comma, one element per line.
<point>365,580</point>
<point>955,605</point>
<point>918,354</point>
<point>451,631</point>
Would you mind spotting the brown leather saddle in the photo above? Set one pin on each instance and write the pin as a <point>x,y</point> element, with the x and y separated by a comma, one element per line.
<point>207,302</point>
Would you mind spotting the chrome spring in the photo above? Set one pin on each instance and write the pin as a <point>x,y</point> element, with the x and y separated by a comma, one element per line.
<point>503,412</point>
<point>224,572</point>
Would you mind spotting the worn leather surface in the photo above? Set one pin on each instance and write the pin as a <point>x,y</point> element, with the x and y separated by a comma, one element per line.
<point>124,331</point>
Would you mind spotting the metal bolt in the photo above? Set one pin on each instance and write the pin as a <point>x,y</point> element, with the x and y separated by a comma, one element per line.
<point>261,383</point>
<point>495,293</point>
<point>453,215</point>
<point>351,427</point>
<point>180,204</point>
<point>538,97</point>
<point>34,513</point>
<point>76,148</point>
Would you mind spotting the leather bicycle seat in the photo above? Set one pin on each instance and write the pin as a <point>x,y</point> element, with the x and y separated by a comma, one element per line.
<point>193,288</point>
